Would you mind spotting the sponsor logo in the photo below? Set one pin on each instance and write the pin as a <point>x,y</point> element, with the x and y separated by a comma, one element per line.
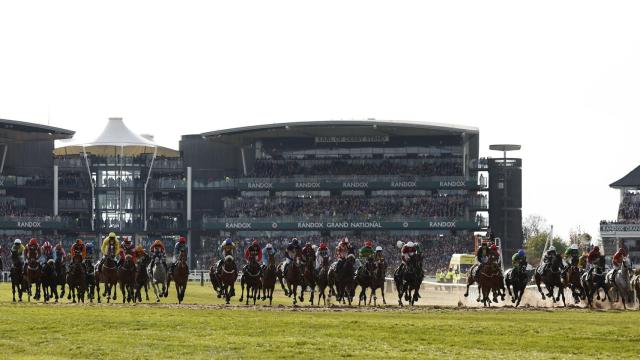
<point>458,183</point>
<point>620,227</point>
<point>243,225</point>
<point>355,185</point>
<point>310,225</point>
<point>307,185</point>
<point>403,184</point>
<point>29,224</point>
<point>259,185</point>
<point>442,224</point>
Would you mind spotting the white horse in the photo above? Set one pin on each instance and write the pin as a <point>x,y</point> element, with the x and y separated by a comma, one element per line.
<point>622,282</point>
<point>159,276</point>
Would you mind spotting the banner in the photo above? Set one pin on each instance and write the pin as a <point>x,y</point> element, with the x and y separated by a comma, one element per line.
<point>612,228</point>
<point>33,224</point>
<point>359,185</point>
<point>352,139</point>
<point>265,225</point>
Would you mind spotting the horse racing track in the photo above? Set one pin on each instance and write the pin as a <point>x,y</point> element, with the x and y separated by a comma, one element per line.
<point>203,327</point>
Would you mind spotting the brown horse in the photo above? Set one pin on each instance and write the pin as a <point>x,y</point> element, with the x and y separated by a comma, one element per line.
<point>294,279</point>
<point>551,277</point>
<point>34,274</point>
<point>61,274</point>
<point>635,284</point>
<point>108,275</point>
<point>341,282</point>
<point>322,280</point>
<point>252,278</point>
<point>127,279</point>
<point>571,280</point>
<point>90,279</point>
<point>77,280</point>
<point>378,281</point>
<point>228,275</point>
<point>18,283</point>
<point>309,278</point>
<point>364,279</point>
<point>269,280</point>
<point>489,280</point>
<point>142,277</point>
<point>181,276</point>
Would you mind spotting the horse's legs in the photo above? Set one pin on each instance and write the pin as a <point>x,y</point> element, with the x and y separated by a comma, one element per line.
<point>538,280</point>
<point>242,289</point>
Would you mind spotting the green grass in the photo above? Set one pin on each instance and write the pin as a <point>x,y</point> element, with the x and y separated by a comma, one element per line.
<point>183,332</point>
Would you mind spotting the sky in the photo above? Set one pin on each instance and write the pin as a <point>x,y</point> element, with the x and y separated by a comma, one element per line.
<point>561,78</point>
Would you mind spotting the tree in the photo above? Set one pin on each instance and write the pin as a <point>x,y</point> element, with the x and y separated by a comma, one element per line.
<point>535,246</point>
<point>533,225</point>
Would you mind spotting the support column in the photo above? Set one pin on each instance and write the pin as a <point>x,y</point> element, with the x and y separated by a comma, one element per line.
<point>55,190</point>
<point>189,189</point>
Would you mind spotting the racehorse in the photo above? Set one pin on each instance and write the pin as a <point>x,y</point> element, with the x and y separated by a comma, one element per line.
<point>551,278</point>
<point>76,278</point>
<point>181,276</point>
<point>158,277</point>
<point>635,284</point>
<point>34,273</point>
<point>322,281</point>
<point>251,277</point>
<point>108,275</point>
<point>571,280</point>
<point>126,279</point>
<point>364,279</point>
<point>228,275</point>
<point>17,279</point>
<point>378,281</point>
<point>409,281</point>
<point>142,277</point>
<point>269,280</point>
<point>342,283</point>
<point>592,282</point>
<point>309,278</point>
<point>90,277</point>
<point>622,282</point>
<point>294,279</point>
<point>518,279</point>
<point>49,287</point>
<point>61,274</point>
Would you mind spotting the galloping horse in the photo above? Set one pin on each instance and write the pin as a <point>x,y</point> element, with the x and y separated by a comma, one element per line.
<point>294,279</point>
<point>635,284</point>
<point>309,278</point>
<point>571,280</point>
<point>621,283</point>
<point>551,278</point>
<point>592,282</point>
<point>126,278</point>
<point>17,279</point>
<point>341,283</point>
<point>269,280</point>
<point>378,281</point>
<point>108,275</point>
<point>76,278</point>
<point>90,278</point>
<point>61,274</point>
<point>408,283</point>
<point>518,279</point>
<point>158,277</point>
<point>181,276</point>
<point>251,277</point>
<point>49,287</point>
<point>34,273</point>
<point>322,281</point>
<point>364,279</point>
<point>142,277</point>
<point>228,275</point>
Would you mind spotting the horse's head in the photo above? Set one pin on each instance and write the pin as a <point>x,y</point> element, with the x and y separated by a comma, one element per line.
<point>351,259</point>
<point>228,259</point>
<point>556,262</point>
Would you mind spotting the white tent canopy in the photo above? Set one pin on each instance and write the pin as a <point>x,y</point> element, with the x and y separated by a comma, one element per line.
<point>116,135</point>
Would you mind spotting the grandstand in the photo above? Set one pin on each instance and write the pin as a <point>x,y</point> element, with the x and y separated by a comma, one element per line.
<point>625,229</point>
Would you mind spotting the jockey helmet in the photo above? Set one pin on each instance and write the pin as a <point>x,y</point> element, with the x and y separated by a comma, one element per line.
<point>521,253</point>
<point>368,244</point>
<point>294,241</point>
<point>552,248</point>
<point>410,244</point>
<point>228,241</point>
<point>127,240</point>
<point>79,242</point>
<point>323,246</point>
<point>17,242</point>
<point>345,240</point>
<point>399,244</point>
<point>33,241</point>
<point>89,247</point>
<point>157,242</point>
<point>378,248</point>
<point>112,235</point>
<point>46,245</point>
<point>255,242</point>
<point>269,246</point>
<point>494,247</point>
<point>574,247</point>
<point>139,249</point>
<point>182,240</point>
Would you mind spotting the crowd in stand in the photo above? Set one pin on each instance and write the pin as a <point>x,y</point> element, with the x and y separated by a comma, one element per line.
<point>450,206</point>
<point>10,207</point>
<point>629,210</point>
<point>437,249</point>
<point>284,168</point>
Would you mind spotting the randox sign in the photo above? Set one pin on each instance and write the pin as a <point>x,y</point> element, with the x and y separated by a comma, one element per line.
<point>357,184</point>
<point>265,224</point>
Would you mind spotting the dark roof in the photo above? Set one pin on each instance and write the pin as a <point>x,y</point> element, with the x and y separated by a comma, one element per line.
<point>20,131</point>
<point>632,179</point>
<point>341,128</point>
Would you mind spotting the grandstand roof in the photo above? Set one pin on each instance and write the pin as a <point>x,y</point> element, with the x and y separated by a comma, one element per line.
<point>115,135</point>
<point>341,128</point>
<point>632,179</point>
<point>20,131</point>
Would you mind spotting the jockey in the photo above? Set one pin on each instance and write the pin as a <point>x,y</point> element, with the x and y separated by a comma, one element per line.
<point>293,250</point>
<point>308,252</point>
<point>89,250</point>
<point>407,251</point>
<point>31,252</point>
<point>483,253</point>
<point>379,256</point>
<point>342,250</point>
<point>595,259</point>
<point>59,253</point>
<point>181,246</point>
<point>254,251</point>
<point>47,251</point>
<point>17,253</point>
<point>571,257</point>
<point>321,254</point>
<point>140,252</point>
<point>127,248</point>
<point>226,249</point>
<point>582,262</point>
<point>548,258</point>
<point>366,252</point>
<point>78,249</point>
<point>495,254</point>
<point>110,248</point>
<point>157,250</point>
<point>519,260</point>
<point>268,252</point>
<point>617,260</point>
